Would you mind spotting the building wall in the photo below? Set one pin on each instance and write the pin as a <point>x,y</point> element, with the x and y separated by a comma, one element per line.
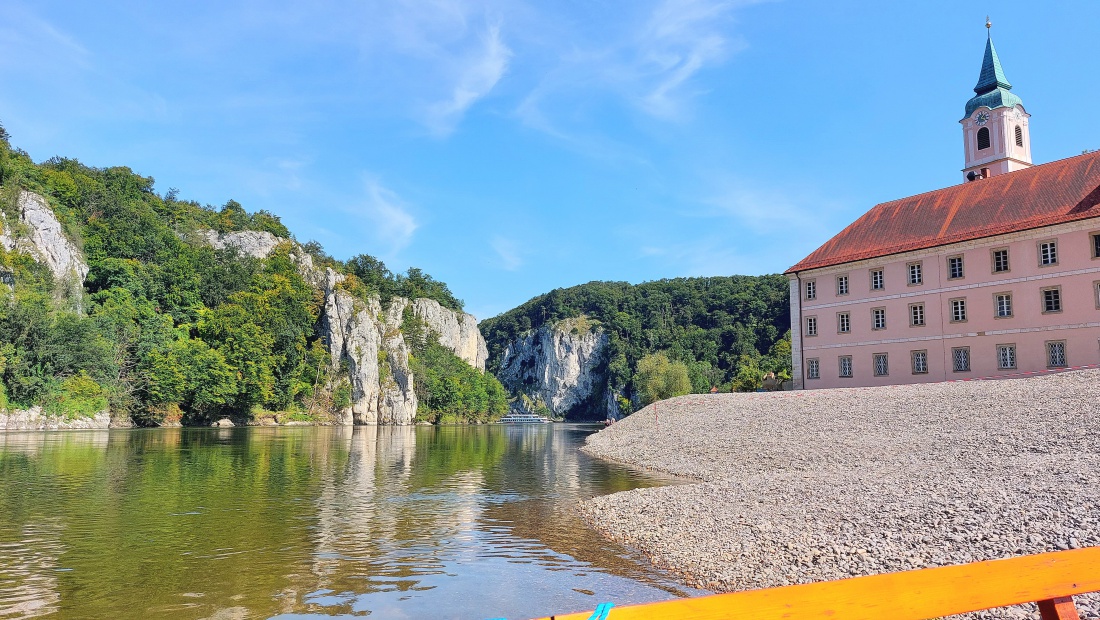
<point>1003,155</point>
<point>1029,328</point>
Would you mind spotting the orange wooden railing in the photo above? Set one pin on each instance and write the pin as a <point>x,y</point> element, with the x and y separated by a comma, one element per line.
<point>1049,579</point>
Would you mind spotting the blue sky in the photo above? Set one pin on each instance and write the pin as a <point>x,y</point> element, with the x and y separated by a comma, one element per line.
<point>512,147</point>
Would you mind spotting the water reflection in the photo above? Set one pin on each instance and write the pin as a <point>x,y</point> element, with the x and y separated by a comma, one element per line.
<point>429,522</point>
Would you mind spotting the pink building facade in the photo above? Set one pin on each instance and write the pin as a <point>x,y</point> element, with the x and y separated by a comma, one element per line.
<point>1002,305</point>
<point>999,276</point>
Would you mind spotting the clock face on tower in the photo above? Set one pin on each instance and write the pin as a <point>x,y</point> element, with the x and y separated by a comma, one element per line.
<point>982,118</point>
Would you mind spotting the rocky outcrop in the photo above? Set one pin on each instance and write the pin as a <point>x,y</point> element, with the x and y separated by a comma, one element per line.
<point>40,234</point>
<point>34,419</point>
<point>561,366</point>
<point>457,331</point>
<point>254,243</point>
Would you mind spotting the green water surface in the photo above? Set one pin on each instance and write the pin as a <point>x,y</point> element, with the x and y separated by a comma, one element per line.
<point>385,522</point>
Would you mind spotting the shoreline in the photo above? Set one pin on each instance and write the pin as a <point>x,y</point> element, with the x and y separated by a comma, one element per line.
<point>796,487</point>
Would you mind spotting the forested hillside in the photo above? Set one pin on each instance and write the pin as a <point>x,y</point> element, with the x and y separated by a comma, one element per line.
<point>669,336</point>
<point>169,328</point>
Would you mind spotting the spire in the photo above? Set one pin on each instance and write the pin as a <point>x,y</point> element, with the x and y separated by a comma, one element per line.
<point>992,76</point>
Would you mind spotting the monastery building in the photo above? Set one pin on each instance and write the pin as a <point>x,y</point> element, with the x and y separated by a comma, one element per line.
<point>997,276</point>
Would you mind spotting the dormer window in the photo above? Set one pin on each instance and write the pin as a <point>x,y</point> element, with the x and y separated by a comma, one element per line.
<point>1019,137</point>
<point>983,138</point>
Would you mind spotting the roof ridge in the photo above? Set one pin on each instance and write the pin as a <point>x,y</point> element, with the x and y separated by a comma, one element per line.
<point>999,176</point>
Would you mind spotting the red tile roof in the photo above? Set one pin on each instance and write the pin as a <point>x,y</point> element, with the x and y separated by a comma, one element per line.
<point>1061,191</point>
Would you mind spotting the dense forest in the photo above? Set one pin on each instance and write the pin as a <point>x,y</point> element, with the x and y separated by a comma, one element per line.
<point>669,337</point>
<point>168,328</point>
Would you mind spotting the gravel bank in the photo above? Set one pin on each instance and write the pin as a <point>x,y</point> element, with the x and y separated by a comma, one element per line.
<point>809,486</point>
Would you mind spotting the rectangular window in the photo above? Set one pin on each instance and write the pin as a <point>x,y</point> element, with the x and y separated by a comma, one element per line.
<point>843,322</point>
<point>845,365</point>
<point>1096,245</point>
<point>916,315</point>
<point>958,310</point>
<point>1048,253</point>
<point>1002,305</point>
<point>811,289</point>
<point>842,285</point>
<point>1096,293</point>
<point>954,268</point>
<point>1052,299</point>
<point>916,274</point>
<point>811,326</point>
<point>1056,354</point>
<point>882,365</point>
<point>877,281</point>
<point>960,359</point>
<point>878,318</point>
<point>1000,261</point>
<point>1006,356</point>
<point>920,362</point>
<point>813,369</point>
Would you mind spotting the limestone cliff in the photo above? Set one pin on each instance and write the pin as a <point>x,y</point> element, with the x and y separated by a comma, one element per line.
<point>254,243</point>
<point>561,366</point>
<point>39,233</point>
<point>365,339</point>
<point>34,419</point>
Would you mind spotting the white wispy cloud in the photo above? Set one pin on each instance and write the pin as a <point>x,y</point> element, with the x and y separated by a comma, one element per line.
<point>387,218</point>
<point>509,252</point>
<point>680,38</point>
<point>475,78</point>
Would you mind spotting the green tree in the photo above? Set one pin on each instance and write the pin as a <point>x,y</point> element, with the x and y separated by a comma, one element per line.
<point>659,378</point>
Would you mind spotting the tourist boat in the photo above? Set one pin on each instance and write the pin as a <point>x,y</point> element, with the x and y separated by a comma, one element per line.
<point>524,418</point>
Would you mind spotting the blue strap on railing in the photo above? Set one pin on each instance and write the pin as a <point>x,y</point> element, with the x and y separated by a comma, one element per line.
<point>601,611</point>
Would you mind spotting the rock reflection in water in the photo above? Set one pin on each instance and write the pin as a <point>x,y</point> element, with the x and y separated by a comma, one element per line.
<point>464,522</point>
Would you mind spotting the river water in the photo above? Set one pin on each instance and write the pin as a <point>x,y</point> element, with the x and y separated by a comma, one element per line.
<point>301,522</point>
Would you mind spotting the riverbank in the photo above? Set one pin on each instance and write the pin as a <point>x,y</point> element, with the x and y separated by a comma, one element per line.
<point>808,486</point>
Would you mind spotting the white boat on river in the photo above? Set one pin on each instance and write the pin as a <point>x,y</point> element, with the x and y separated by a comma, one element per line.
<point>524,418</point>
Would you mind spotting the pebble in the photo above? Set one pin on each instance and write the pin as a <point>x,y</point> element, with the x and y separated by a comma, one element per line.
<point>825,484</point>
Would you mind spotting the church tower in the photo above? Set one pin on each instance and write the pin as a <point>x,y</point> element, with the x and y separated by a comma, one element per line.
<point>996,139</point>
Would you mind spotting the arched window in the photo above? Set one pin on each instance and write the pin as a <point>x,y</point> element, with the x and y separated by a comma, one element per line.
<point>1019,136</point>
<point>983,138</point>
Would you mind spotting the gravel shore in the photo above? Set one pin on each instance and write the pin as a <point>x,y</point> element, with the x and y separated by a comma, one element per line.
<point>809,486</point>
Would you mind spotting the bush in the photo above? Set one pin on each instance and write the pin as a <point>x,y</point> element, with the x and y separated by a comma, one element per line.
<point>658,378</point>
<point>77,396</point>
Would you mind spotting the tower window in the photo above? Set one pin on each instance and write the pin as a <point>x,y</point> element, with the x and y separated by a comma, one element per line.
<point>1019,136</point>
<point>983,138</point>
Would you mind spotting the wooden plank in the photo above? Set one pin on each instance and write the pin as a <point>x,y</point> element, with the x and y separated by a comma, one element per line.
<point>909,595</point>
<point>1061,608</point>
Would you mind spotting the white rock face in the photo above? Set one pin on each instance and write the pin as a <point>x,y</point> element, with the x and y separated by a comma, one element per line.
<point>254,243</point>
<point>45,240</point>
<point>370,343</point>
<point>555,365</point>
<point>34,419</point>
<point>457,331</point>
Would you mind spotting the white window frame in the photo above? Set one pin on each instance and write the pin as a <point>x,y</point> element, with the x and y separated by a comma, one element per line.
<point>1048,252</point>
<point>1051,347</point>
<point>997,305</point>
<point>1094,243</point>
<point>881,364</point>
<point>811,326</point>
<point>843,319</point>
<point>923,315</point>
<point>878,319</point>
<point>811,289</point>
<point>844,362</point>
<point>878,277</point>
<point>1057,290</point>
<point>1010,350</point>
<point>993,261</point>
<point>843,285</point>
<point>958,353</point>
<point>813,368</point>
<point>962,268</point>
<point>957,308</point>
<point>914,273</point>
<point>921,367</point>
